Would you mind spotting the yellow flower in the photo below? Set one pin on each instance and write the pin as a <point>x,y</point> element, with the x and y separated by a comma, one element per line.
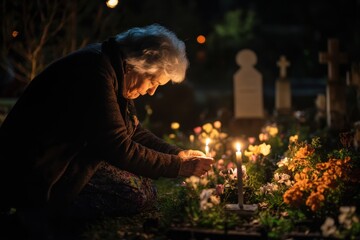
<point>293,138</point>
<point>263,137</point>
<point>204,136</point>
<point>214,133</point>
<point>272,130</point>
<point>207,127</point>
<point>254,149</point>
<point>248,153</point>
<point>265,149</point>
<point>175,125</point>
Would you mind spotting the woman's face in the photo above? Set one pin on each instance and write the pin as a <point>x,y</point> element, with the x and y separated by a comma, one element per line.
<point>136,85</point>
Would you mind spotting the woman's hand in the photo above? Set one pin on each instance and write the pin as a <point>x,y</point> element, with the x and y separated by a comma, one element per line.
<point>185,154</point>
<point>196,166</point>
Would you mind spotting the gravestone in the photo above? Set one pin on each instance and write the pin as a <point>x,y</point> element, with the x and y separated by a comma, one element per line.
<point>283,89</point>
<point>248,95</point>
<point>248,90</point>
<point>336,89</point>
<point>353,93</point>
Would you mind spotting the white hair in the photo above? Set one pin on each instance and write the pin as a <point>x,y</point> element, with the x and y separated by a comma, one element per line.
<point>154,50</point>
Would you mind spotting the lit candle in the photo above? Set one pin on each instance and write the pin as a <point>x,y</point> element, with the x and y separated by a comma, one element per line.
<point>207,146</point>
<point>239,175</point>
<point>238,152</point>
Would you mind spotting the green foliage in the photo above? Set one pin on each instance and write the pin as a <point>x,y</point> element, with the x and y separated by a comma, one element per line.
<point>235,30</point>
<point>275,226</point>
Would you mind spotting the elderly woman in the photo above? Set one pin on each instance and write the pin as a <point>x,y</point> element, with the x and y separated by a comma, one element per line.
<point>73,144</point>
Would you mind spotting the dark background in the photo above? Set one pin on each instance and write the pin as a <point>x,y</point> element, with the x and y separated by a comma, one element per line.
<point>297,29</point>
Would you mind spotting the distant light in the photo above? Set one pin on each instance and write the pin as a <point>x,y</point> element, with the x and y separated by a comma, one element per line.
<point>201,39</point>
<point>14,34</point>
<point>112,3</point>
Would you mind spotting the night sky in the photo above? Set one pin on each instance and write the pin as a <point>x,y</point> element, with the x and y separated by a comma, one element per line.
<point>297,29</point>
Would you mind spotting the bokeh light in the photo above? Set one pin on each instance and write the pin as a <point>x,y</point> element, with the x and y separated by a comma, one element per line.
<point>14,34</point>
<point>112,3</point>
<point>201,39</point>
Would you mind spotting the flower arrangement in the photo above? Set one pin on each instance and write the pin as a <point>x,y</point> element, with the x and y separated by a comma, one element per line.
<point>291,178</point>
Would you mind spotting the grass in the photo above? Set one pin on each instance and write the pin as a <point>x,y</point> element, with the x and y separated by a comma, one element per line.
<point>147,225</point>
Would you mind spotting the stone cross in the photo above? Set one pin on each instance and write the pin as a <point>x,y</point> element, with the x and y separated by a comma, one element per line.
<point>283,64</point>
<point>283,89</point>
<point>335,90</point>
<point>333,58</point>
<point>248,89</point>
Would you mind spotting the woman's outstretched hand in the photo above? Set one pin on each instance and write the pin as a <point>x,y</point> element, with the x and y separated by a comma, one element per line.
<point>185,154</point>
<point>194,163</point>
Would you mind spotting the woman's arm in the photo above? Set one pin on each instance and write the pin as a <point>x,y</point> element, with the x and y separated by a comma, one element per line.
<point>150,140</point>
<point>106,129</point>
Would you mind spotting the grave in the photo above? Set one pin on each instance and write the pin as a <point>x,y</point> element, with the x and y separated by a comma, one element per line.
<point>248,96</point>
<point>335,90</point>
<point>282,89</point>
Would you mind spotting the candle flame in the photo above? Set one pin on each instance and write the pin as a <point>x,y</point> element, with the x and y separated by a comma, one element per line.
<point>238,147</point>
<point>207,141</point>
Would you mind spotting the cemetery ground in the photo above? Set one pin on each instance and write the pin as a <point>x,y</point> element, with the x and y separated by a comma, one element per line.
<point>305,184</point>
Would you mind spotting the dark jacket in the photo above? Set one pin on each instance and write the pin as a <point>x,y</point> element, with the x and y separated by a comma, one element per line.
<point>71,117</point>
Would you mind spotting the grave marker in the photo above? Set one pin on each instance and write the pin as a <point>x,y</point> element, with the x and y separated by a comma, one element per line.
<point>335,90</point>
<point>283,89</point>
<point>248,90</point>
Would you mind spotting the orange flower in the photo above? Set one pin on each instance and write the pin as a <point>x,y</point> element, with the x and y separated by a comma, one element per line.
<point>314,182</point>
<point>304,152</point>
<point>293,196</point>
<point>321,188</point>
<point>314,201</point>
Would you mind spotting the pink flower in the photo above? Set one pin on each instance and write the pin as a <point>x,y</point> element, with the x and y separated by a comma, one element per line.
<point>251,140</point>
<point>230,165</point>
<point>219,189</point>
<point>197,130</point>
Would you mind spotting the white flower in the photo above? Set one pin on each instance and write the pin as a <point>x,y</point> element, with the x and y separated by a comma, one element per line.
<point>283,162</point>
<point>269,188</point>
<point>233,173</point>
<point>193,181</point>
<point>282,178</point>
<point>205,197</point>
<point>347,216</point>
<point>328,228</point>
<point>204,181</point>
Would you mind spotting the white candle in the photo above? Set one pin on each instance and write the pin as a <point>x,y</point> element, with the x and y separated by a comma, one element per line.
<point>207,150</point>
<point>238,153</point>
<point>239,175</point>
